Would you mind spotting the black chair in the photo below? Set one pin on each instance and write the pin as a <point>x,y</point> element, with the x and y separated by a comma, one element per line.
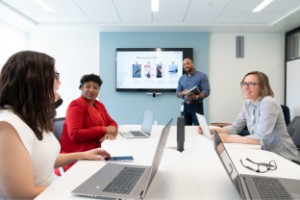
<point>287,119</point>
<point>58,126</point>
<point>286,113</point>
<point>294,131</point>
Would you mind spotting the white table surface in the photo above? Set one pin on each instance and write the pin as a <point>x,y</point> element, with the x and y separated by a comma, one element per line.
<point>285,168</point>
<point>192,138</point>
<point>196,173</point>
<point>170,182</point>
<point>209,175</point>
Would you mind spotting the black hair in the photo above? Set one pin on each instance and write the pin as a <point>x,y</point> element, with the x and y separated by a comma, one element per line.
<point>90,77</point>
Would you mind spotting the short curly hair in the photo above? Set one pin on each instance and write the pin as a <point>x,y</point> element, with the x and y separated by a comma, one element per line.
<point>90,77</point>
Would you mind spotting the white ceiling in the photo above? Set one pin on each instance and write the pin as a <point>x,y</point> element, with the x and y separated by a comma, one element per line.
<point>174,15</point>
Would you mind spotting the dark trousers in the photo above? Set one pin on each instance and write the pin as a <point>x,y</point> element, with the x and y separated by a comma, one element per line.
<point>189,113</point>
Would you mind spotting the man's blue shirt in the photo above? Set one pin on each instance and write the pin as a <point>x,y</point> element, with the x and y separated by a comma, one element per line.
<point>196,78</point>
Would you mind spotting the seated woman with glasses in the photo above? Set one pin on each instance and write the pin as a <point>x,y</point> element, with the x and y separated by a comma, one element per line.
<point>263,116</point>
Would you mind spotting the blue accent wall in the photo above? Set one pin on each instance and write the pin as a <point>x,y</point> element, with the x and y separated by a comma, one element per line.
<point>128,107</point>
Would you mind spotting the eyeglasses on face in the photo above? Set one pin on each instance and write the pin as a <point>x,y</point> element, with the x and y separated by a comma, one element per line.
<point>56,76</point>
<point>248,84</point>
<point>261,167</point>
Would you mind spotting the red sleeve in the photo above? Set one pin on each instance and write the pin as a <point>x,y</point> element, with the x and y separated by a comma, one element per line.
<point>108,120</point>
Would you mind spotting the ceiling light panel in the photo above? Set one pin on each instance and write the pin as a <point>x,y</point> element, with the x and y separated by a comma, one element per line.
<point>208,5</point>
<point>241,5</point>
<point>171,14</point>
<point>32,11</point>
<point>139,11</point>
<point>201,17</point>
<point>101,11</point>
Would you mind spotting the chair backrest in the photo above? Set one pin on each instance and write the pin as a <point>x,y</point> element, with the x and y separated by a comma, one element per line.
<point>286,113</point>
<point>294,131</point>
<point>58,126</point>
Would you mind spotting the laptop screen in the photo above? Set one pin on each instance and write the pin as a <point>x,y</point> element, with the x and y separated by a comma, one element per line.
<point>203,124</point>
<point>226,160</point>
<point>147,121</point>
<point>159,152</point>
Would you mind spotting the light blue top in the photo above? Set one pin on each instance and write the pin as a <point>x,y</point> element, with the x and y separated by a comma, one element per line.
<point>196,78</point>
<point>265,122</point>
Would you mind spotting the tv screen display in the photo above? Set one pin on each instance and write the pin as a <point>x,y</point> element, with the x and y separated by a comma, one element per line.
<point>149,69</point>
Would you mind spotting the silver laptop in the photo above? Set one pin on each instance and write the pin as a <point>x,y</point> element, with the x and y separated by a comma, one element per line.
<point>203,124</point>
<point>145,129</point>
<point>104,183</point>
<point>257,187</point>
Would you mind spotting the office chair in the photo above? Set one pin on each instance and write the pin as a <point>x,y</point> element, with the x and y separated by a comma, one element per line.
<point>294,131</point>
<point>58,126</point>
<point>286,113</point>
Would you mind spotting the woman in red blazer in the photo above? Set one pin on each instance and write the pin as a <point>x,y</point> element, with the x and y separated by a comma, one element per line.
<point>87,121</point>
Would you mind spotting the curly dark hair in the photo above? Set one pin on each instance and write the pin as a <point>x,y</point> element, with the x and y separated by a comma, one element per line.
<point>90,77</point>
<point>26,86</point>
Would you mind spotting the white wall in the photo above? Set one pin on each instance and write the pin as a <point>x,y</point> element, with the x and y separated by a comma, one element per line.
<point>292,91</point>
<point>263,52</point>
<point>12,40</point>
<point>76,54</point>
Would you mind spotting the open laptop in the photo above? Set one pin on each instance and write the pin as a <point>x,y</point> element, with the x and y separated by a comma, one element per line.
<point>257,187</point>
<point>203,124</point>
<point>103,183</point>
<point>145,129</point>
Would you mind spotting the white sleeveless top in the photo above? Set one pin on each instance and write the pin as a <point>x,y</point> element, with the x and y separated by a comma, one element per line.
<point>43,153</point>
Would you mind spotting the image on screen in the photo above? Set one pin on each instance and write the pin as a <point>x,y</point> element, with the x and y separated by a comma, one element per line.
<point>150,69</point>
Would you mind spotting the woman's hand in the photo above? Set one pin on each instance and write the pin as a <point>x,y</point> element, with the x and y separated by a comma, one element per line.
<point>199,130</point>
<point>95,154</point>
<point>212,130</point>
<point>107,137</point>
<point>112,130</point>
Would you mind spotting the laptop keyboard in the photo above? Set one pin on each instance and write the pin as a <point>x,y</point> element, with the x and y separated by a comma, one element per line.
<point>137,133</point>
<point>125,180</point>
<point>269,188</point>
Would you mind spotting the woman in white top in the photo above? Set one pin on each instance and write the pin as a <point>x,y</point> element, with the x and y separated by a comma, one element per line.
<point>28,149</point>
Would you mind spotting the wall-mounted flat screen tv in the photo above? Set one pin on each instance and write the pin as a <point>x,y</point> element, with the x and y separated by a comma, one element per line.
<point>149,69</point>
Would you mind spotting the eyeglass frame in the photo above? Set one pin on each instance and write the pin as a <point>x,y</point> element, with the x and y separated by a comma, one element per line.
<point>56,76</point>
<point>248,84</point>
<point>271,166</point>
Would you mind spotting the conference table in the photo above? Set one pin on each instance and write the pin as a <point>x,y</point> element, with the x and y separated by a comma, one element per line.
<point>195,173</point>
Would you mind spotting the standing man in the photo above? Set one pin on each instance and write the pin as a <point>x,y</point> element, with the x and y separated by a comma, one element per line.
<point>192,103</point>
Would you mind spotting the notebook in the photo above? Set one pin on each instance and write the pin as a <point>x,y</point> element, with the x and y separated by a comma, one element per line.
<point>96,185</point>
<point>203,124</point>
<point>145,129</point>
<point>257,187</point>
<point>194,90</point>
